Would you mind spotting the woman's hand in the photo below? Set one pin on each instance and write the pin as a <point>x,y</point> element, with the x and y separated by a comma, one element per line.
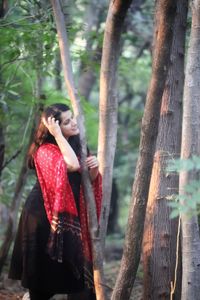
<point>53,126</point>
<point>93,166</point>
<point>92,162</point>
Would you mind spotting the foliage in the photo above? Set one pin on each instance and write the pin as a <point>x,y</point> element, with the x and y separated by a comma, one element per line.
<point>29,49</point>
<point>188,202</point>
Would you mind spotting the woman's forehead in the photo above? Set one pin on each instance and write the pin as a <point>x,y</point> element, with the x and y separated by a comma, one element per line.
<point>65,115</point>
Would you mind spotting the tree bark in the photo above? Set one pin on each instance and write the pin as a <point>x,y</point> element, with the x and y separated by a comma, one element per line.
<point>108,102</point>
<point>190,146</point>
<point>160,234</point>
<point>164,19</point>
<point>75,100</point>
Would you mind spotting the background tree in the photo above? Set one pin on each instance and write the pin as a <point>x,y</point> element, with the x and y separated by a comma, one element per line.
<point>89,196</point>
<point>190,146</point>
<point>164,17</point>
<point>161,232</point>
<point>108,103</point>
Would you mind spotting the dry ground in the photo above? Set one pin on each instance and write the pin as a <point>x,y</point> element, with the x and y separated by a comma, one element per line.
<point>11,290</point>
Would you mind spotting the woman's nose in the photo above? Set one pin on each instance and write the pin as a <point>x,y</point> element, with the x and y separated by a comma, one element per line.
<point>74,121</point>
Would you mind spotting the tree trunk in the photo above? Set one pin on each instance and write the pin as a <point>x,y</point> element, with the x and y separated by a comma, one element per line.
<point>190,146</point>
<point>108,102</point>
<point>160,234</point>
<point>115,25</point>
<point>89,196</point>
<point>164,17</point>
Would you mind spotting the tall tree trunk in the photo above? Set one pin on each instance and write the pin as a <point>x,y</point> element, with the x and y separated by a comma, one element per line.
<point>164,17</point>
<point>160,234</point>
<point>190,146</point>
<point>89,196</point>
<point>108,102</point>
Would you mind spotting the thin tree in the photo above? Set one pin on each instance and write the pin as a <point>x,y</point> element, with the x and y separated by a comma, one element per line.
<point>108,102</point>
<point>75,100</point>
<point>190,146</point>
<point>160,234</point>
<point>164,19</point>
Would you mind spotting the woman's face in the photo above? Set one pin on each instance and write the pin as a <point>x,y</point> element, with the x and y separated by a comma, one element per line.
<point>68,124</point>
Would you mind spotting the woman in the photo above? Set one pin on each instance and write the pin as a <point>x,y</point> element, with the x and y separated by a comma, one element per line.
<point>52,251</point>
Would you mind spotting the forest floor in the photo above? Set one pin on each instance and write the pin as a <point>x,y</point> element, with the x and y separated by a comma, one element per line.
<point>11,290</point>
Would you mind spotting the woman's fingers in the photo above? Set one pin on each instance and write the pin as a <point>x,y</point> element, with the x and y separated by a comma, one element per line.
<point>92,162</point>
<point>52,125</point>
<point>50,121</point>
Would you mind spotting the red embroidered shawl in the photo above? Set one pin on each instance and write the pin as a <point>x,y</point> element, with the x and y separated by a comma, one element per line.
<point>61,208</point>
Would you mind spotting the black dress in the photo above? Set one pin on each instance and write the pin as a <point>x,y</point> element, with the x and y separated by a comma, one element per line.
<point>30,263</point>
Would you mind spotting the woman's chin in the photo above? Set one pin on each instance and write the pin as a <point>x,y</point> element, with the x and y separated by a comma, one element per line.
<point>74,133</point>
<point>77,132</point>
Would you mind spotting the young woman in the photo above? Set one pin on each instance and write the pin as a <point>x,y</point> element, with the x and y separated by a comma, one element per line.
<point>52,251</point>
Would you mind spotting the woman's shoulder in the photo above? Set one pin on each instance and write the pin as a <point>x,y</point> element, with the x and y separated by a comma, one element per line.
<point>47,149</point>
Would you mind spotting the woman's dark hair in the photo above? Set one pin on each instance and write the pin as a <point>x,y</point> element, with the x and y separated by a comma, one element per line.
<point>42,134</point>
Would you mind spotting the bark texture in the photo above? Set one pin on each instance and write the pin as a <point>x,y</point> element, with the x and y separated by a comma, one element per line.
<point>108,103</point>
<point>191,146</point>
<point>164,19</point>
<point>75,100</point>
<point>160,233</point>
